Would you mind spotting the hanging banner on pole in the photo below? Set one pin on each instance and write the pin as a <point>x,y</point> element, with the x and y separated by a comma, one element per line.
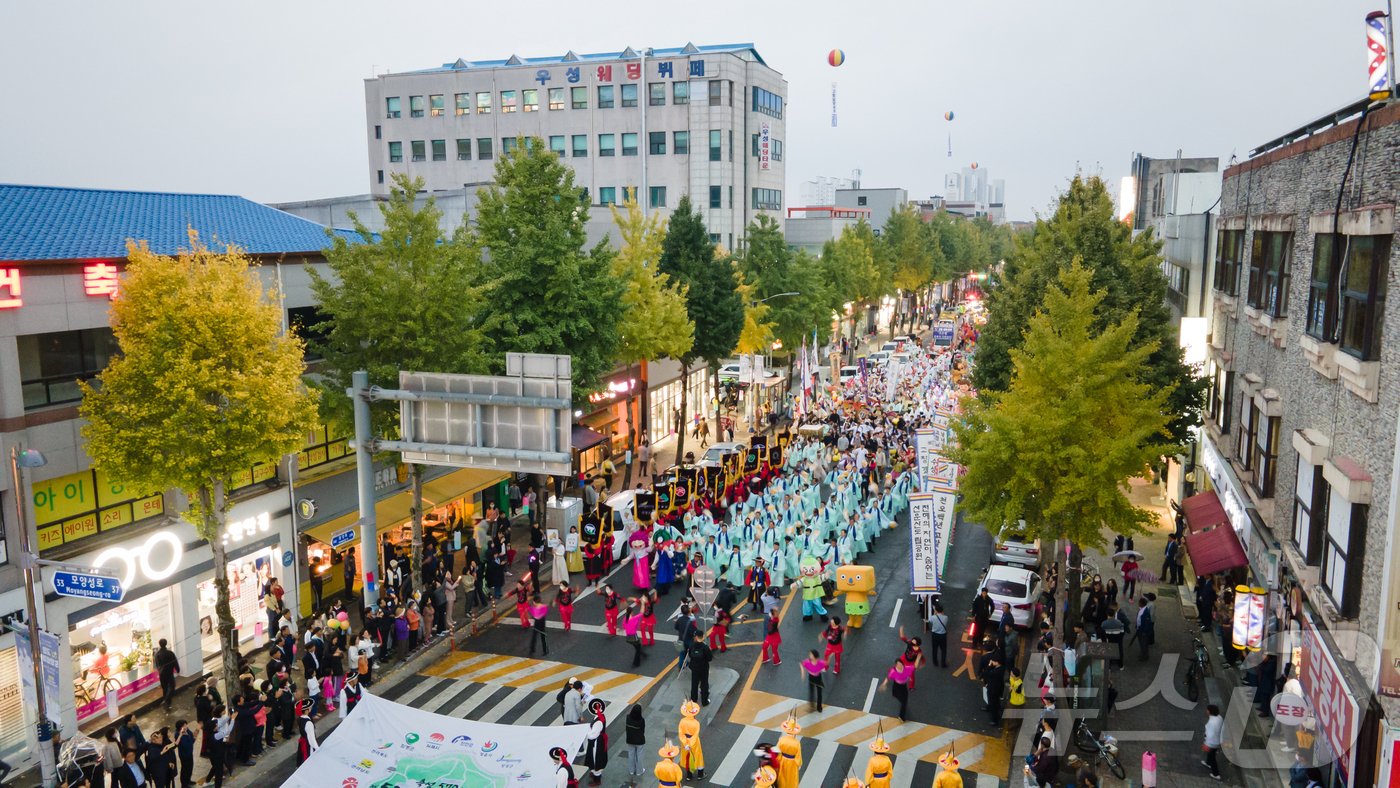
<point>24,653</point>
<point>927,512</point>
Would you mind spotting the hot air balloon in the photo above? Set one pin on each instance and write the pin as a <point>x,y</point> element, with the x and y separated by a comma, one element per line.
<point>948,115</point>
<point>973,165</point>
<point>836,57</point>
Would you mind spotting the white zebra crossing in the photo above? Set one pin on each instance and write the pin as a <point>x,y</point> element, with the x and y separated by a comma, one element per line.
<point>502,708</point>
<point>734,761</point>
<point>814,772</point>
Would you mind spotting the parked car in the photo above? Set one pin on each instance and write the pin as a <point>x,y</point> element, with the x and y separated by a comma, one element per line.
<point>849,374</point>
<point>879,357</point>
<point>729,372</point>
<point>1014,585</point>
<point>717,451</point>
<point>1015,549</point>
<point>890,347</point>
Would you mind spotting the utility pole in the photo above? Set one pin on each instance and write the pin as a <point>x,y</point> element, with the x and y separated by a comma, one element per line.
<point>19,459</point>
<point>364,469</point>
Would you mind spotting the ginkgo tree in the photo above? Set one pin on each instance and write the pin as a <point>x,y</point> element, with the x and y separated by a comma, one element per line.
<point>206,385</point>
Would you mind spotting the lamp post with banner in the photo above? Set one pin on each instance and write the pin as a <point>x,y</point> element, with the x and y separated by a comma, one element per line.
<point>20,460</point>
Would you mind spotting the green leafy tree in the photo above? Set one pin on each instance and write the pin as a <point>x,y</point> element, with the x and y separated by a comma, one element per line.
<point>206,385</point>
<point>912,254</point>
<point>1057,448</point>
<point>1126,267</point>
<point>409,299</point>
<point>548,293</point>
<point>854,270</point>
<point>654,323</point>
<point>774,269</point>
<point>711,295</point>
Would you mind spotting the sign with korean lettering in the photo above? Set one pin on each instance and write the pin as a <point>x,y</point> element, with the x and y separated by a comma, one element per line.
<point>923,544</point>
<point>764,140</point>
<point>100,279</point>
<point>1333,706</point>
<point>79,505</point>
<point>11,296</point>
<point>925,453</point>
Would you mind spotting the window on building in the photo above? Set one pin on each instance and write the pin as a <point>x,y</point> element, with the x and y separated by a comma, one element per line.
<point>483,148</point>
<point>419,149</point>
<point>768,103</point>
<point>310,324</point>
<point>1342,553</point>
<point>656,94</point>
<point>777,150</point>
<point>680,92</point>
<point>657,198</point>
<point>631,193</point>
<point>392,107</point>
<point>381,175</point>
<point>1222,390</point>
<point>767,199</point>
<point>1229,253</point>
<point>1265,450</point>
<point>607,145</point>
<point>607,195</point>
<point>629,144</point>
<point>464,150</point>
<point>1310,515</point>
<point>508,101</point>
<point>629,95</point>
<point>656,143</point>
<point>1363,295</point>
<point>716,196</point>
<point>439,150</point>
<point>530,100</point>
<point>50,365</point>
<point>753,145</point>
<point>716,145</point>
<point>1268,273</point>
<point>462,103</point>
<point>714,238</point>
<point>395,152</point>
<point>437,105</point>
<point>580,145</point>
<point>605,96</point>
<point>378,131</point>
<point>680,143</point>
<point>1322,308</point>
<point>716,92</point>
<point>579,96</point>
<point>862,200</point>
<point>731,144</point>
<point>508,144</point>
<point>483,103</point>
<point>1249,430</point>
<point>556,144</point>
<point>556,98</point>
<point>415,106</point>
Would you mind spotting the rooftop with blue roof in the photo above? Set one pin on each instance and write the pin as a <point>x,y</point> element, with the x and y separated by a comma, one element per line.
<point>570,57</point>
<point>58,223</point>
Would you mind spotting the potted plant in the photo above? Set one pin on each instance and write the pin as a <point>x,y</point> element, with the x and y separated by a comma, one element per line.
<point>128,664</point>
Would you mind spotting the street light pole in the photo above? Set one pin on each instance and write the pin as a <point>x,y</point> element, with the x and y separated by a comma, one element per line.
<point>33,458</point>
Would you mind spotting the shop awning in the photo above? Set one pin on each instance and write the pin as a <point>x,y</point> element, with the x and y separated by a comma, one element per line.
<point>584,438</point>
<point>1215,550</point>
<point>1204,511</point>
<point>394,510</point>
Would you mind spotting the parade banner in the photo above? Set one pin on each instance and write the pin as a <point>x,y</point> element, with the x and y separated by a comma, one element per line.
<point>943,504</point>
<point>925,453</point>
<point>383,744</point>
<point>923,540</point>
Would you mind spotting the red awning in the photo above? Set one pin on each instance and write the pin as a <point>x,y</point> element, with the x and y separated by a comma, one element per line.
<point>1204,512</point>
<point>1215,550</point>
<point>584,438</point>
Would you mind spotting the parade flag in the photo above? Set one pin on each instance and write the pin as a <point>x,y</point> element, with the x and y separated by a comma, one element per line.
<point>923,544</point>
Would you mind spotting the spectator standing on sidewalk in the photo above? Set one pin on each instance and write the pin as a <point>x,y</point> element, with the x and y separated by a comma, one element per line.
<point>1205,602</point>
<point>1214,735</point>
<point>636,739</point>
<point>167,665</point>
<point>1145,633</point>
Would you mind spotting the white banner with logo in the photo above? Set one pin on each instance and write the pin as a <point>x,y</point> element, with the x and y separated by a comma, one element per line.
<point>386,743</point>
<point>764,141</point>
<point>923,544</point>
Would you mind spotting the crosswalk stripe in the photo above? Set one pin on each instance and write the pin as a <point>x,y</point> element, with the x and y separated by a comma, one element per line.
<point>460,659</point>
<point>617,679</point>
<point>460,709</point>
<point>973,755</point>
<point>932,745</point>
<point>864,735</point>
<point>903,774</point>
<point>477,667</point>
<point>626,693</point>
<point>815,770</point>
<point>546,711</point>
<point>914,739</point>
<point>443,698</point>
<point>987,781</point>
<point>776,713</point>
<point>399,689</point>
<point>500,709</point>
<point>829,721</point>
<point>524,666</point>
<point>550,677</point>
<point>738,755</point>
<point>424,687</point>
<point>493,672</point>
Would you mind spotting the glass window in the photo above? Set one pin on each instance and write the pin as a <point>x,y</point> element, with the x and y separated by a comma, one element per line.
<point>391,107</point>
<point>680,92</point>
<point>1342,553</point>
<point>716,145</point>
<point>680,143</point>
<point>1322,308</point>
<point>556,98</point>
<point>629,95</point>
<point>607,145</point>
<point>437,107</point>
<point>658,196</point>
<point>1266,455</point>
<point>714,238</point>
<point>753,145</point>
<point>1268,273</point>
<point>378,131</point>
<point>420,150</point>
<point>1310,512</point>
<point>770,104</point>
<point>1363,295</point>
<point>629,144</point>
<point>716,196</point>
<point>777,150</point>
<point>483,103</point>
<point>1249,428</point>
<point>605,97</point>
<point>415,106</point>
<point>607,195</point>
<point>508,102</point>
<point>395,151</point>
<point>580,145</point>
<point>656,94</point>
<point>1229,254</point>
<point>530,99</point>
<point>507,145</point>
<point>464,150</point>
<point>767,199</point>
<point>50,365</point>
<point>716,93</point>
<point>381,175</point>
<point>483,147</point>
<point>656,143</point>
<point>580,98</point>
<point>462,103</point>
<point>439,150</point>
<point>556,144</point>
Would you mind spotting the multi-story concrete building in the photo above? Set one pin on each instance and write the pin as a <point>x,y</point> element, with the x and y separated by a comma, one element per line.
<point>705,121</point>
<point>880,202</point>
<point>1175,197</point>
<point>1300,436</point>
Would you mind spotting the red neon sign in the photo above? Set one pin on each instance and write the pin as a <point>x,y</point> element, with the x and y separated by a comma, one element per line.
<point>9,283</point>
<point>100,279</point>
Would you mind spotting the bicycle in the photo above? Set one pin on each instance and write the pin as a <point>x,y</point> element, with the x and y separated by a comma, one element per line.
<point>1196,671</point>
<point>1103,747</point>
<point>97,690</point>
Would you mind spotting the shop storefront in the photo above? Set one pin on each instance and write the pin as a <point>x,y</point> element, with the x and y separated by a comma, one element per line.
<point>114,648</point>
<point>664,401</point>
<point>613,411</point>
<point>14,730</point>
<point>247,577</point>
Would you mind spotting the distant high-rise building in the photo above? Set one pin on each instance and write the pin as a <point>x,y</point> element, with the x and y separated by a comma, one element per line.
<point>972,193</point>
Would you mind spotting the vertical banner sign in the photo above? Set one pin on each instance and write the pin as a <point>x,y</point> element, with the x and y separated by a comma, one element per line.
<point>1378,71</point>
<point>24,654</point>
<point>833,105</point>
<point>923,540</point>
<point>942,527</point>
<point>925,452</point>
<point>1337,712</point>
<point>764,140</point>
<point>1248,625</point>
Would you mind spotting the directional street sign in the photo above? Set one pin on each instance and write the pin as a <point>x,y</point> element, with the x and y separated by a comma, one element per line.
<point>86,585</point>
<point>341,538</point>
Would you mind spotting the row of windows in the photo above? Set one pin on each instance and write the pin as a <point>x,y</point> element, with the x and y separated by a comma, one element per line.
<point>577,146</point>
<point>1346,287</point>
<point>767,103</point>
<point>775,148</point>
<point>608,96</point>
<point>612,195</point>
<point>768,199</point>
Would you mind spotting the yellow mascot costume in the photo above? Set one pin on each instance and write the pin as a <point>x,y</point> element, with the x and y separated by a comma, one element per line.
<point>858,584</point>
<point>692,755</point>
<point>668,774</point>
<point>878,771</point>
<point>948,776</point>
<point>789,752</point>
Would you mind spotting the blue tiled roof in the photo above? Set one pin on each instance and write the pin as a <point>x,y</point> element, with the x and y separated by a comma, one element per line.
<point>52,223</point>
<point>559,60</point>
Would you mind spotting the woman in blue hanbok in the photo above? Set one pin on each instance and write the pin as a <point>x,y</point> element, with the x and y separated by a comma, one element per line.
<point>712,555</point>
<point>860,533</point>
<point>770,536</point>
<point>734,568</point>
<point>723,539</point>
<point>845,546</point>
<point>777,565</point>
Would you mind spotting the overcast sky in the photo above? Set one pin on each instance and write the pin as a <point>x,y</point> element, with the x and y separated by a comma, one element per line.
<point>266,99</point>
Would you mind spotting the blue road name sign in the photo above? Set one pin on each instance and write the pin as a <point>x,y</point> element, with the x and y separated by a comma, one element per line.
<point>341,538</point>
<point>88,586</point>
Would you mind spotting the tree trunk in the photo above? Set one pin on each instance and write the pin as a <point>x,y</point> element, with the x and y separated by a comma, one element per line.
<point>719,401</point>
<point>211,503</point>
<point>415,557</point>
<point>1057,655</point>
<point>631,432</point>
<point>1074,587</point>
<point>681,422</point>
